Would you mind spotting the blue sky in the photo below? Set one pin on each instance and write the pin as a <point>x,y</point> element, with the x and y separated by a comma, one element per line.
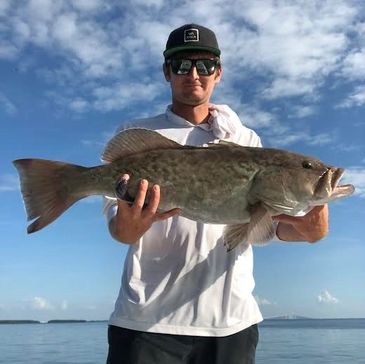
<point>72,71</point>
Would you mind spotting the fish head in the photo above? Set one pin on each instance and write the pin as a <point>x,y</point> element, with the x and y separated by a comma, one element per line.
<point>290,183</point>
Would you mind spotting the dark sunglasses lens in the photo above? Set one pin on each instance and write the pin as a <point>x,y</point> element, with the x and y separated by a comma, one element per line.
<point>181,66</point>
<point>205,67</point>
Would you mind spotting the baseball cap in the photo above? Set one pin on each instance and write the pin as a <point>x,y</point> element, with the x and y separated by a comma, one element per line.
<point>191,37</point>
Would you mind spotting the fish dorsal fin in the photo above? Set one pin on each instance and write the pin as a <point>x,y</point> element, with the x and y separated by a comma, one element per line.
<point>133,141</point>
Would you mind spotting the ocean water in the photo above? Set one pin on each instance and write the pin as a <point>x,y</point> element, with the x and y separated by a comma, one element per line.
<point>281,342</point>
<point>312,342</point>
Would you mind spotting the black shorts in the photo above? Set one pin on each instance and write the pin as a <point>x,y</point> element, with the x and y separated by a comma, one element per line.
<point>136,347</point>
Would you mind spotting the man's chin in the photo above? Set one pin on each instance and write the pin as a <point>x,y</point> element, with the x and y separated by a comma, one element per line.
<point>195,99</point>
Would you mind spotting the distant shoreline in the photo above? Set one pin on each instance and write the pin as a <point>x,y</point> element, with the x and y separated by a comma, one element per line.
<point>11,322</point>
<point>75,321</point>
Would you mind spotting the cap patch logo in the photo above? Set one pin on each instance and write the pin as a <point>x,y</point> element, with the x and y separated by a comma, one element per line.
<point>191,35</point>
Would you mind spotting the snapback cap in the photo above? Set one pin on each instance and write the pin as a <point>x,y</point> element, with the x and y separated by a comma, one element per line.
<point>191,37</point>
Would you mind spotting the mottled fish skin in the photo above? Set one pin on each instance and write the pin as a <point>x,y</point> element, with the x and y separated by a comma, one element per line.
<point>207,196</point>
<point>224,183</point>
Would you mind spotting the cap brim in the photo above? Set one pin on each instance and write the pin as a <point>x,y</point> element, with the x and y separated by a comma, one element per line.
<point>169,52</point>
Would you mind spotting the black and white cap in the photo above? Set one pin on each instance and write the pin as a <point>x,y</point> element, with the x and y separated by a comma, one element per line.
<point>191,37</point>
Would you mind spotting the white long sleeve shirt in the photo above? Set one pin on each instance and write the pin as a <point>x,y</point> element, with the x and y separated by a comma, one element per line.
<point>178,278</point>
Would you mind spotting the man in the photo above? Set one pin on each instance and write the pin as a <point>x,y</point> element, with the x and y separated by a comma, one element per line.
<point>183,298</point>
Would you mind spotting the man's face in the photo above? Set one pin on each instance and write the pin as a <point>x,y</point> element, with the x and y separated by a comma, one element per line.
<point>192,89</point>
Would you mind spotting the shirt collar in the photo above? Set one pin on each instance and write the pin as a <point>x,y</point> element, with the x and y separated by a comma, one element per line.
<point>178,120</point>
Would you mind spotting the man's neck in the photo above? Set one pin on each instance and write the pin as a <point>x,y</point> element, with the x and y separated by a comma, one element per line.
<point>194,114</point>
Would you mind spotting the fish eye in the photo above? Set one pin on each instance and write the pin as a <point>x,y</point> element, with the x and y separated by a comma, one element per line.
<point>307,165</point>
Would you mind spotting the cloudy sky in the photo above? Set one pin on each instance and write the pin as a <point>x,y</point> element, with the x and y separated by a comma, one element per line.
<point>72,71</point>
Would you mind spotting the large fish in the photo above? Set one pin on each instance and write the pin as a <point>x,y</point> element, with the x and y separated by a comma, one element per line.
<point>224,183</point>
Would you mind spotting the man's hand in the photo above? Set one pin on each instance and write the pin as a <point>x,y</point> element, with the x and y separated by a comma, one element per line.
<point>311,227</point>
<point>132,221</point>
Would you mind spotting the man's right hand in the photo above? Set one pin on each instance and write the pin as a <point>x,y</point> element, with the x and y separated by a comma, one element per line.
<point>133,220</point>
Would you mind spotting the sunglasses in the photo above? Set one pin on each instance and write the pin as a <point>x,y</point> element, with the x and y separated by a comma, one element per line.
<point>204,67</point>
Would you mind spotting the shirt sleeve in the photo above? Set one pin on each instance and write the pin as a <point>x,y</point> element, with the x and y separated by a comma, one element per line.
<point>248,138</point>
<point>110,208</point>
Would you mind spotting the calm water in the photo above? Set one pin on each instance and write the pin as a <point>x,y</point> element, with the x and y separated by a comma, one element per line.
<point>281,342</point>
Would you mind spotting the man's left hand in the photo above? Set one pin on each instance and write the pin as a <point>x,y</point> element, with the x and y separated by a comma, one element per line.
<point>311,227</point>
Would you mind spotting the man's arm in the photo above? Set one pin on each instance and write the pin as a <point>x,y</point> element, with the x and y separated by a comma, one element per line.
<point>132,221</point>
<point>311,227</point>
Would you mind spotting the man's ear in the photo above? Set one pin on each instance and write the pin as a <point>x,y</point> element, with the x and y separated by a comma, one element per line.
<point>166,72</point>
<point>218,74</point>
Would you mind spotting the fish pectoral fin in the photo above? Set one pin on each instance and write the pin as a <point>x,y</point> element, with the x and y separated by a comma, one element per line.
<point>258,231</point>
<point>261,228</point>
<point>235,235</point>
<point>121,191</point>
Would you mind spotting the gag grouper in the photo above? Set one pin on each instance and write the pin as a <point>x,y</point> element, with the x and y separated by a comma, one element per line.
<point>222,183</point>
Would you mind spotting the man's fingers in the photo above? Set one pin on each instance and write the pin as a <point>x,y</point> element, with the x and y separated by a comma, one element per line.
<point>154,200</point>
<point>149,212</point>
<point>165,215</point>
<point>315,212</point>
<point>141,195</point>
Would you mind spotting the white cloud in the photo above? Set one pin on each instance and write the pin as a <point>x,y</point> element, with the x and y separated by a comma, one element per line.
<point>90,46</point>
<point>157,3</point>
<point>356,98</point>
<point>302,111</point>
<point>320,139</point>
<point>7,105</point>
<point>89,5</point>
<point>8,183</point>
<point>300,45</point>
<point>152,35</point>
<point>254,117</point>
<point>261,301</point>
<point>250,115</point>
<point>79,105</point>
<point>119,95</point>
<point>354,65</point>
<point>296,44</point>
<point>40,304</point>
<point>356,176</point>
<point>8,51</point>
<point>67,29</point>
<point>286,137</point>
<point>326,297</point>
<point>64,305</point>
<point>283,87</point>
<point>4,6</point>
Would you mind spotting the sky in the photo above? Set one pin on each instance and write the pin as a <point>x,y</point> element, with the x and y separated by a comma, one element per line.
<point>72,71</point>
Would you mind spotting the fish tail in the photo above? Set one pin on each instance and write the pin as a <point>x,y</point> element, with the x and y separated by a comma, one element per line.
<point>46,190</point>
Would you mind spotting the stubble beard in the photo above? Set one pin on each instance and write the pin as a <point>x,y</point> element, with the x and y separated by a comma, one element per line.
<point>190,99</point>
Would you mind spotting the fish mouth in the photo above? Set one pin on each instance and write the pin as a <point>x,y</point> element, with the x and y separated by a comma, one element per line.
<point>336,176</point>
<point>328,185</point>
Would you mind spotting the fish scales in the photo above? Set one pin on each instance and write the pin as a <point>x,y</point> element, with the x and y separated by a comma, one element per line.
<point>193,177</point>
